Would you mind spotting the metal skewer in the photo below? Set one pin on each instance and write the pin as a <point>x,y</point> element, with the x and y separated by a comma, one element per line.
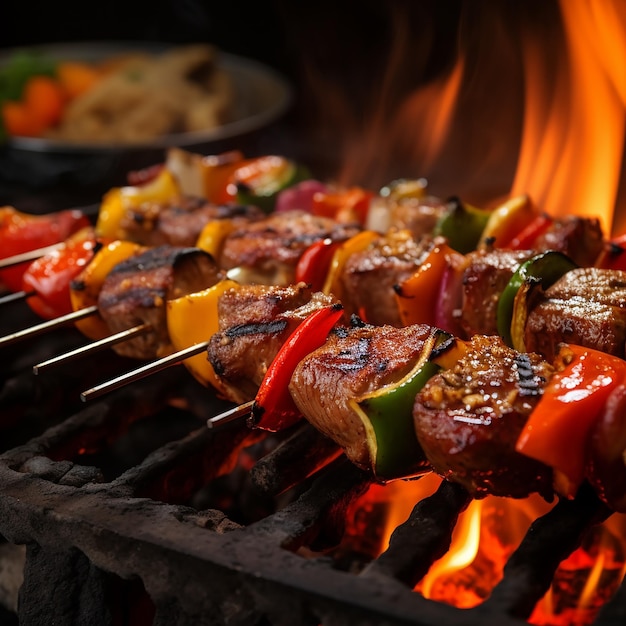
<point>31,255</point>
<point>232,415</point>
<point>142,372</point>
<point>14,297</point>
<point>38,329</point>
<point>94,346</point>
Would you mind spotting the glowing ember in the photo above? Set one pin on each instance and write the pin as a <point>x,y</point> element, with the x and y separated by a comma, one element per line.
<point>484,538</point>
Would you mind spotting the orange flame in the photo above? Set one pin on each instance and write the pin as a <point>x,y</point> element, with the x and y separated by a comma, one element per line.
<point>570,158</point>
<point>485,536</point>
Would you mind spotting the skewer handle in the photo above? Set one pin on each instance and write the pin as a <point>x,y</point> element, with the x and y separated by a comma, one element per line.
<point>38,329</point>
<point>14,297</point>
<point>142,372</point>
<point>232,415</point>
<point>31,255</point>
<point>94,346</point>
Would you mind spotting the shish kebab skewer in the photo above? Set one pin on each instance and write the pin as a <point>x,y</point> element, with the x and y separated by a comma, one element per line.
<point>404,267</point>
<point>117,382</point>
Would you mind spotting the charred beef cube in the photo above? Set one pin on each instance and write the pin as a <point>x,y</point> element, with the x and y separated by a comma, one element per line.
<point>468,420</point>
<point>370,276</point>
<point>353,362</point>
<point>484,278</point>
<point>180,223</point>
<point>580,238</point>
<point>254,322</point>
<point>267,251</point>
<point>587,306</point>
<point>135,292</point>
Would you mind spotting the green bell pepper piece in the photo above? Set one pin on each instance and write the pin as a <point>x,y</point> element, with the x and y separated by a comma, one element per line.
<point>264,193</point>
<point>547,266</point>
<point>387,414</point>
<point>462,225</point>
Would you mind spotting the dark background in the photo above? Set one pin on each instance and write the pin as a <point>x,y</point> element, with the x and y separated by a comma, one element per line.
<point>350,63</point>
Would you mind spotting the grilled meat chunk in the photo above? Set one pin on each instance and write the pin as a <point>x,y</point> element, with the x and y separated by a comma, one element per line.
<point>180,223</point>
<point>136,290</point>
<point>353,362</point>
<point>369,277</point>
<point>485,276</point>
<point>587,306</point>
<point>267,251</point>
<point>580,238</point>
<point>468,419</point>
<point>254,322</point>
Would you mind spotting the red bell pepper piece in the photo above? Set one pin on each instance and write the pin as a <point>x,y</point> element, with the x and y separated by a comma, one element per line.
<point>50,275</point>
<point>558,430</point>
<point>273,408</point>
<point>22,232</point>
<point>613,257</point>
<point>528,235</point>
<point>352,203</point>
<point>313,266</point>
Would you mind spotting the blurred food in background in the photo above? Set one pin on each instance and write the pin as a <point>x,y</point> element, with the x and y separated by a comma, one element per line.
<point>129,98</point>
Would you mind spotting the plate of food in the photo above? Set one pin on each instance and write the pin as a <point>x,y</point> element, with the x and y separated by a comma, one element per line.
<point>91,106</point>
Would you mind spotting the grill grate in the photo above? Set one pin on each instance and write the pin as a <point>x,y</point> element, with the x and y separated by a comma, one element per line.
<point>121,499</point>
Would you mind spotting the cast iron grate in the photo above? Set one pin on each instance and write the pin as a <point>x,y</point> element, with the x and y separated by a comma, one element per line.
<point>133,512</point>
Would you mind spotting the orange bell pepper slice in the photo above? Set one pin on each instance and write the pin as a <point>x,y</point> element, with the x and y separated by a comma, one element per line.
<point>418,296</point>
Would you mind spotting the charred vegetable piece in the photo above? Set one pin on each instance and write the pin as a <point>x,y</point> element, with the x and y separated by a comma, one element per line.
<point>119,200</point>
<point>22,232</point>
<point>358,243</point>
<point>259,181</point>
<point>387,415</point>
<point>85,288</point>
<point>274,408</point>
<point>548,267</point>
<point>462,225</point>
<point>50,275</point>
<point>506,221</point>
<point>417,298</point>
<point>558,430</point>
<point>193,319</point>
<point>345,205</point>
<point>314,264</point>
<point>527,237</point>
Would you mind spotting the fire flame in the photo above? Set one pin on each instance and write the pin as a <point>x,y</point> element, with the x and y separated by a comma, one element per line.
<point>484,538</point>
<point>533,102</point>
<point>570,158</point>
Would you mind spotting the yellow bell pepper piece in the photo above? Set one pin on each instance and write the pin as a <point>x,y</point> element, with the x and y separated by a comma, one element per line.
<point>507,221</point>
<point>193,319</point>
<point>84,290</point>
<point>117,201</point>
<point>212,236</point>
<point>355,244</point>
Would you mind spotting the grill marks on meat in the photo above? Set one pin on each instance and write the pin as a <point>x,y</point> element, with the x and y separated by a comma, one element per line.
<point>254,322</point>
<point>267,251</point>
<point>468,420</point>
<point>587,306</point>
<point>136,290</point>
<point>350,364</point>
<point>370,276</point>
<point>180,223</point>
<point>485,276</point>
